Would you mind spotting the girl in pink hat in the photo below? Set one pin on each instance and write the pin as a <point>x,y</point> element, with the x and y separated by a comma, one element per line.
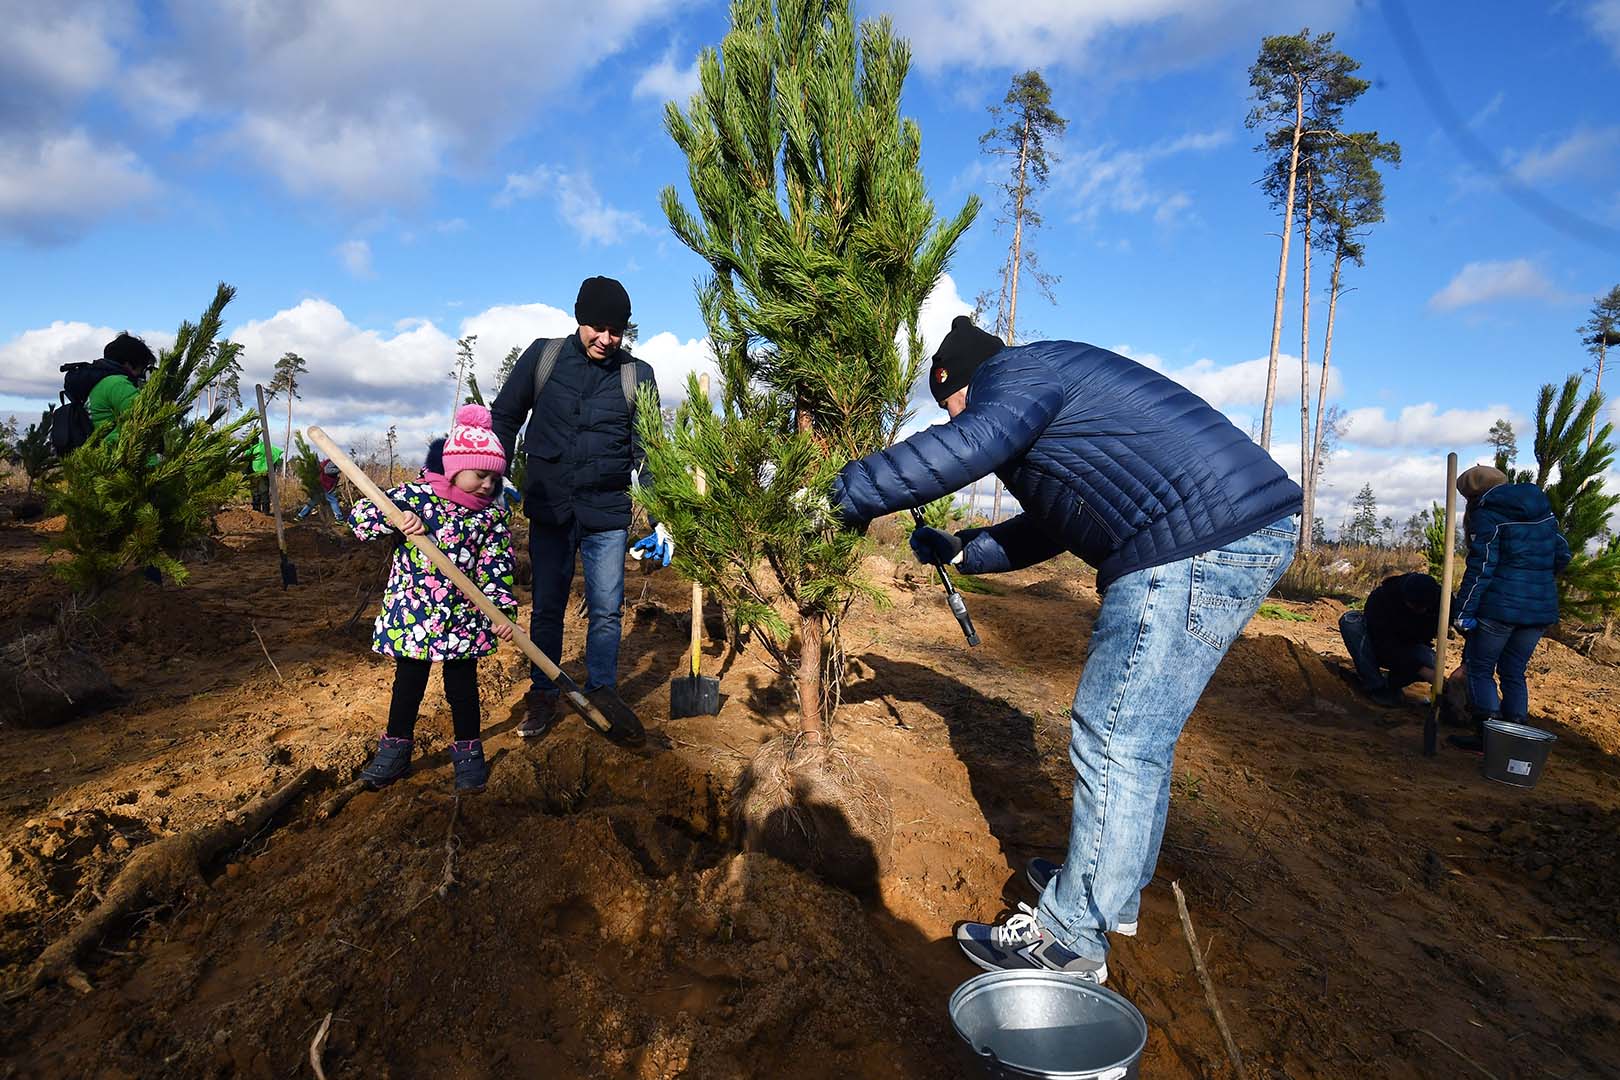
<point>424,618</point>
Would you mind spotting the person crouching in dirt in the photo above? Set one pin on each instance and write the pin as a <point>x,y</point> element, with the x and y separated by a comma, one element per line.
<point>1509,593</point>
<point>328,492</point>
<point>1189,525</point>
<point>1394,632</point>
<point>578,397</point>
<point>424,618</point>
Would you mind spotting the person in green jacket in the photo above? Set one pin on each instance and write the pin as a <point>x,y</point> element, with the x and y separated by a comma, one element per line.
<point>261,473</point>
<point>126,359</point>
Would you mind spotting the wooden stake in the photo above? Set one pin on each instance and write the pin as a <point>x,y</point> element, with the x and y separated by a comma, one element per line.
<point>1431,725</point>
<point>1203,978</point>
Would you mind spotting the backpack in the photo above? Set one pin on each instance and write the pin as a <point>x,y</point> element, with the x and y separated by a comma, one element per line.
<point>547,363</point>
<point>70,421</point>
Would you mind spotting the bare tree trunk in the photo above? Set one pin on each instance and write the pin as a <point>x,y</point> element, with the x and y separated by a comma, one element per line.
<point>995,507</point>
<point>1306,480</point>
<point>1321,391</point>
<point>1018,235</point>
<point>1282,265</point>
<point>286,444</point>
<point>455,399</point>
<point>1597,385</point>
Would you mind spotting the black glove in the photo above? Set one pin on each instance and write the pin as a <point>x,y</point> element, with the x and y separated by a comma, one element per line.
<point>932,546</point>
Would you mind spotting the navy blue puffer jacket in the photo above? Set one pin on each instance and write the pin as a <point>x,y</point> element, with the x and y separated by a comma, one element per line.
<point>1515,552</point>
<point>1109,459</point>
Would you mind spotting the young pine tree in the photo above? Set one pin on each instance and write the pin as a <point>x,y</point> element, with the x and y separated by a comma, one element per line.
<point>143,498</point>
<point>813,217</point>
<point>1589,589</point>
<point>33,452</point>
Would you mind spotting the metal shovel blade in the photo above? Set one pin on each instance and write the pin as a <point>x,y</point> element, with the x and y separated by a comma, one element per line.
<point>694,695</point>
<point>289,572</point>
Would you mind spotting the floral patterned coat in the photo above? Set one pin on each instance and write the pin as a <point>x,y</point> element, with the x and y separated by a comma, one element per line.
<point>424,616</point>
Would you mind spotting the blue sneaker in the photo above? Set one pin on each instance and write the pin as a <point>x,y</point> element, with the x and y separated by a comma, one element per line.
<point>1022,943</point>
<point>1041,871</point>
<point>392,761</point>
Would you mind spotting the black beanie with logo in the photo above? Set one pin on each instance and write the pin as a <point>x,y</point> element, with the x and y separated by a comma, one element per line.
<point>959,355</point>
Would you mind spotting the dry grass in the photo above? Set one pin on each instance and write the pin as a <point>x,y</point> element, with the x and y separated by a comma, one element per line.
<point>1345,572</point>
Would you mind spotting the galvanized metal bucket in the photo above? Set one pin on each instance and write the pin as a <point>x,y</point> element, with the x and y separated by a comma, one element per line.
<point>1515,753</point>
<point>1040,1025</point>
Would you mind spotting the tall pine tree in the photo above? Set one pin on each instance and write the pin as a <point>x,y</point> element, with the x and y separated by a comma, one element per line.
<point>1301,85</point>
<point>1024,122</point>
<point>1598,333</point>
<point>1590,588</point>
<point>289,369</point>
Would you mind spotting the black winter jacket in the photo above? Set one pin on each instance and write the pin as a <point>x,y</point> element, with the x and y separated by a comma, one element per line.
<point>581,442</point>
<point>1109,459</point>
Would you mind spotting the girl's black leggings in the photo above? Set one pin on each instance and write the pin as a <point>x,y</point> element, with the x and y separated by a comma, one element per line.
<point>460,689</point>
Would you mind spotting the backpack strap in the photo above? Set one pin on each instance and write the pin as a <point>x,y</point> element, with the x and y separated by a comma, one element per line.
<point>546,364</point>
<point>629,380</point>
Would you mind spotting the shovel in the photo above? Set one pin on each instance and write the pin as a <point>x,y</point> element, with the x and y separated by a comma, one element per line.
<point>1431,723</point>
<point>696,695</point>
<point>289,572</point>
<point>952,597</point>
<point>441,562</point>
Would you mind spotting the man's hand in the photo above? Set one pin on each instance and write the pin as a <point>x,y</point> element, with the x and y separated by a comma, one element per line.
<point>503,630</point>
<point>1465,623</point>
<point>410,524</point>
<point>660,546</point>
<point>931,546</point>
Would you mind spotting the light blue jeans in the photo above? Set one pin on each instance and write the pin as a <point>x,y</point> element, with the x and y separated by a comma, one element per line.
<point>314,504</point>
<point>551,553</point>
<point>1159,637</point>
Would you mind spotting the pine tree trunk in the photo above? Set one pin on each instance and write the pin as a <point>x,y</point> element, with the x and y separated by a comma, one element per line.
<point>1597,384</point>
<point>1306,480</point>
<point>1018,235</point>
<point>812,625</point>
<point>455,399</point>
<point>1321,390</point>
<point>1282,265</point>
<point>286,445</point>
<point>995,506</point>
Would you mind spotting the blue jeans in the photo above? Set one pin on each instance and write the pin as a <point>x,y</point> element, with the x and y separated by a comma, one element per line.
<point>551,551</point>
<point>1408,660</point>
<point>1159,637</point>
<point>1500,649</point>
<point>314,504</point>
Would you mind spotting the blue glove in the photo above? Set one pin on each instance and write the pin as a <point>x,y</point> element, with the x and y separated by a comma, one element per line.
<point>932,546</point>
<point>1466,623</point>
<point>660,546</point>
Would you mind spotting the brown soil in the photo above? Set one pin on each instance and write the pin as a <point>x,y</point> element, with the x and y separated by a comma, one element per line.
<point>1362,906</point>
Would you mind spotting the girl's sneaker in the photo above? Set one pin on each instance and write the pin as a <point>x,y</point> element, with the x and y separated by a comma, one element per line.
<point>472,771</point>
<point>392,761</point>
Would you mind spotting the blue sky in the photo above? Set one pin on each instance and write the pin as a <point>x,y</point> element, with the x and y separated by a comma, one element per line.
<point>379,179</point>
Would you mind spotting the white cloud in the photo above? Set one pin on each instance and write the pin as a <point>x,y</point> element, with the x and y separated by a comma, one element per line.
<point>1119,38</point>
<point>1426,425</point>
<point>367,101</point>
<point>30,362</point>
<point>1583,151</point>
<point>388,154</point>
<point>505,325</point>
<point>156,94</point>
<point>1099,178</point>
<point>666,82</point>
<point>1604,15</point>
<point>1402,481</point>
<point>356,257</point>
<point>673,360</point>
<point>579,205</point>
<point>55,186</point>
<point>52,53</point>
<point>1240,383</point>
<point>1489,282</point>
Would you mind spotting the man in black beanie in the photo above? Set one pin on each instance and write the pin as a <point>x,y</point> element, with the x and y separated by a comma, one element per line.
<point>1189,525</point>
<point>578,396</point>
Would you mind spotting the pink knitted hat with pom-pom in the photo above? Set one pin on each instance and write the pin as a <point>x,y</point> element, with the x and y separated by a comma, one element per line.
<point>472,445</point>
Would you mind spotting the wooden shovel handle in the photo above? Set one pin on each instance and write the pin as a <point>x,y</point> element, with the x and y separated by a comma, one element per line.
<point>441,562</point>
<point>270,469</point>
<point>697,590</point>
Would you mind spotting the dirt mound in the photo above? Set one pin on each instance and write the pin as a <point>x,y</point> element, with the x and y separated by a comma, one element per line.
<point>1283,674</point>
<point>598,924</point>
